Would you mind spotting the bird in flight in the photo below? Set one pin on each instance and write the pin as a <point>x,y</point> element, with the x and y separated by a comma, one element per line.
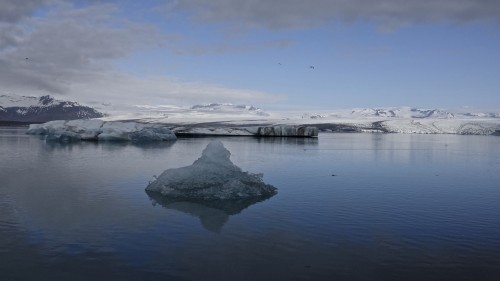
<point>311,66</point>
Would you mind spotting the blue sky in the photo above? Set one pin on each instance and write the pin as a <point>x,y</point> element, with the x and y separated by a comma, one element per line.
<point>383,53</point>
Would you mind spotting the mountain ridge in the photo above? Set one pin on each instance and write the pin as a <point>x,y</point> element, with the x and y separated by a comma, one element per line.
<point>403,112</point>
<point>42,109</point>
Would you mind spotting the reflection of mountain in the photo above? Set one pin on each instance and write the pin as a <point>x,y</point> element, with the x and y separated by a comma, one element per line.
<point>213,214</point>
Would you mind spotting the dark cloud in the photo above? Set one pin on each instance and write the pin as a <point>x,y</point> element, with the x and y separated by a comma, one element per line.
<point>11,12</point>
<point>184,46</point>
<point>282,14</point>
<point>8,35</point>
<point>14,10</point>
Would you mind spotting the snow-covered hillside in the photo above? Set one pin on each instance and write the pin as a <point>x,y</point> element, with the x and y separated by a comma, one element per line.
<point>227,119</point>
<point>402,112</point>
<point>398,113</point>
<point>229,108</point>
<point>42,109</point>
<point>196,113</point>
<point>230,119</point>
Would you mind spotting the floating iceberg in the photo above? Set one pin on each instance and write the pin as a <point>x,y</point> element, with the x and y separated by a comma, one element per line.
<point>288,131</point>
<point>222,129</point>
<point>212,177</point>
<point>77,130</point>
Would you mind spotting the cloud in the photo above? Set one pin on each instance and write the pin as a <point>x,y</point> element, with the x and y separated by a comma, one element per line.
<point>11,12</point>
<point>225,46</point>
<point>49,53</point>
<point>71,50</point>
<point>14,10</point>
<point>161,90</point>
<point>286,14</point>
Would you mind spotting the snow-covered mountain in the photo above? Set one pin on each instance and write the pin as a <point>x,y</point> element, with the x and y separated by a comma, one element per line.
<point>42,109</point>
<point>230,119</point>
<point>482,114</point>
<point>403,112</point>
<point>228,108</point>
<point>197,113</point>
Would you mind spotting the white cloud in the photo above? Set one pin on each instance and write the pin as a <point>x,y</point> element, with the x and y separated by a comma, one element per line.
<point>69,45</point>
<point>161,90</point>
<point>70,51</point>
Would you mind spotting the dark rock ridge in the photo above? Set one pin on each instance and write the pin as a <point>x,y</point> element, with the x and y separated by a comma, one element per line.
<point>46,108</point>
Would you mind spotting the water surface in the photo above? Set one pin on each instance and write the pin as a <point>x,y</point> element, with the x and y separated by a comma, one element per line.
<point>349,207</point>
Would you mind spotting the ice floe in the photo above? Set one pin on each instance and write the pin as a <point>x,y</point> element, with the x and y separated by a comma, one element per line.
<point>77,130</point>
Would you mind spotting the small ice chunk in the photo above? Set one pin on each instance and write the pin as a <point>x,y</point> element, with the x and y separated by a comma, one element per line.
<point>212,177</point>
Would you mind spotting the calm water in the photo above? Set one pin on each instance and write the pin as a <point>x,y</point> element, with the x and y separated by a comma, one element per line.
<point>399,207</point>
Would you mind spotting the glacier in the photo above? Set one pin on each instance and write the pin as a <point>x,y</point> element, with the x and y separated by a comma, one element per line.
<point>238,120</point>
<point>231,120</point>
<point>147,130</point>
<point>211,177</point>
<point>226,129</point>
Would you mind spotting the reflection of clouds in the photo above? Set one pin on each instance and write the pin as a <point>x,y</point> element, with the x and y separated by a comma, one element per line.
<point>391,148</point>
<point>79,193</point>
<point>213,214</point>
<point>83,212</point>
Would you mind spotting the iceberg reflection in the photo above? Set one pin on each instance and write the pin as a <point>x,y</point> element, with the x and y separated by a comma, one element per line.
<point>213,214</point>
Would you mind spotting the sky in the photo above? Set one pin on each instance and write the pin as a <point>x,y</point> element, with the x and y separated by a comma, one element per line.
<point>280,54</point>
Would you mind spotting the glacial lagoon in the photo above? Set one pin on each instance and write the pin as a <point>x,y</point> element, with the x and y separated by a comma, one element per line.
<point>348,207</point>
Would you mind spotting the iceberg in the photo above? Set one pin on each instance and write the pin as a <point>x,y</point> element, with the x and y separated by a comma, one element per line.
<point>212,177</point>
<point>78,130</point>
<point>224,129</point>
<point>286,131</point>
